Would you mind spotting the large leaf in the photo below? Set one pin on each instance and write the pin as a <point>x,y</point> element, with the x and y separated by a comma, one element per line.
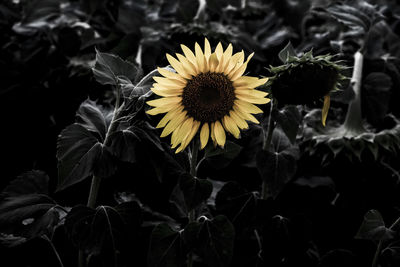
<point>237,204</point>
<point>31,182</point>
<point>109,68</point>
<point>278,165</point>
<point>123,145</point>
<point>102,230</point>
<point>190,192</point>
<point>92,117</point>
<point>77,154</point>
<point>289,119</point>
<point>218,157</point>
<point>165,247</point>
<point>373,227</point>
<point>212,240</point>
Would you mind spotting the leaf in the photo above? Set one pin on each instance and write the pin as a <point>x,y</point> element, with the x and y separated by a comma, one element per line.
<point>102,230</point>
<point>90,116</point>
<point>289,119</point>
<point>123,145</point>
<point>373,227</point>
<point>109,68</point>
<point>165,247</point>
<point>31,182</point>
<point>237,204</point>
<point>195,191</point>
<point>218,157</point>
<point>77,154</point>
<point>286,53</point>
<point>277,167</point>
<point>212,240</point>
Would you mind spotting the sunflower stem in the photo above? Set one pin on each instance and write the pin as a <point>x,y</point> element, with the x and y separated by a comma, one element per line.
<point>267,142</point>
<point>380,244</point>
<point>193,171</point>
<point>45,237</point>
<point>95,185</point>
<point>353,122</point>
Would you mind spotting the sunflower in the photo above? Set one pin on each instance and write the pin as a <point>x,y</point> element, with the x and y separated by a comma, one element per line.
<point>208,92</point>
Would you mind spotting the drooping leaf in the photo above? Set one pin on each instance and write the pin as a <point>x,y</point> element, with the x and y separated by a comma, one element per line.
<point>289,119</point>
<point>237,204</point>
<point>373,227</point>
<point>286,53</point>
<point>102,230</point>
<point>31,182</point>
<point>277,165</point>
<point>90,116</point>
<point>165,247</point>
<point>77,154</point>
<point>221,157</point>
<point>123,145</point>
<point>212,240</point>
<point>109,68</point>
<point>194,190</point>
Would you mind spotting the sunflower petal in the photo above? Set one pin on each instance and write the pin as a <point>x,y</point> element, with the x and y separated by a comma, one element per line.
<point>207,49</point>
<point>249,82</point>
<point>169,82</point>
<point>188,54</point>
<point>173,124</point>
<point>247,107</point>
<point>219,51</point>
<point>164,101</point>
<point>167,92</point>
<point>250,92</point>
<point>252,99</point>
<point>204,134</point>
<point>231,126</point>
<point>213,62</point>
<point>193,131</point>
<point>170,74</point>
<point>178,67</point>
<point>219,133</point>
<point>187,65</point>
<point>239,72</point>
<point>184,130</point>
<point>212,135</point>
<point>240,122</point>
<point>225,58</point>
<point>171,114</point>
<point>201,63</point>
<point>244,115</point>
<point>325,108</point>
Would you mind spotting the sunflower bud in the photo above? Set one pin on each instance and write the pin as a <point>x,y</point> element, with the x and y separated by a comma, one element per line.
<point>306,79</point>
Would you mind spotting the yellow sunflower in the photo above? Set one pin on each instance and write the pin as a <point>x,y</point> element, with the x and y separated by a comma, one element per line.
<point>207,92</point>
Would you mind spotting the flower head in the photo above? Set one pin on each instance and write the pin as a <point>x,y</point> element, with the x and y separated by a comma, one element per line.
<point>208,93</point>
<point>306,79</point>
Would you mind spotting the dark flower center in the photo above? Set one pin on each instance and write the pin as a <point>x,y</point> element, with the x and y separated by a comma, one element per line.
<point>208,96</point>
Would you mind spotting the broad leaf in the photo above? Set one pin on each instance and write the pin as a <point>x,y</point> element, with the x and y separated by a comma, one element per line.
<point>212,240</point>
<point>102,230</point>
<point>77,154</point>
<point>165,247</point>
<point>218,157</point>
<point>191,192</point>
<point>90,116</point>
<point>289,119</point>
<point>109,68</point>
<point>31,182</point>
<point>373,227</point>
<point>237,204</point>
<point>278,165</point>
<point>123,145</point>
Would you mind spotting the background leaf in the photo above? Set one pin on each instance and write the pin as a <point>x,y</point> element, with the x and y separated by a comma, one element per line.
<point>373,227</point>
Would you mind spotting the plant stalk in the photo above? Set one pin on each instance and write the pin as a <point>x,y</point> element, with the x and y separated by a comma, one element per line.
<point>45,237</point>
<point>95,185</point>
<point>379,247</point>
<point>267,143</point>
<point>353,122</point>
<point>193,171</point>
